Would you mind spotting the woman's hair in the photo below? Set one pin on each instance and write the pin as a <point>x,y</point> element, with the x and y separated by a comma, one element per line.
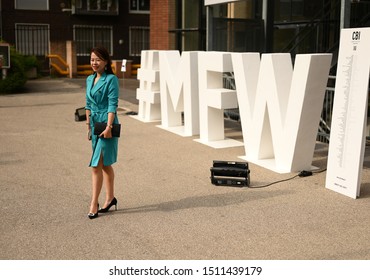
<point>103,54</point>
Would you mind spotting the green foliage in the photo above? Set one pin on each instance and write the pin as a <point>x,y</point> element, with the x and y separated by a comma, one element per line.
<point>30,61</point>
<point>16,74</point>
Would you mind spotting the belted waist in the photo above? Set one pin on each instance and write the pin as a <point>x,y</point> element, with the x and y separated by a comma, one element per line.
<point>100,115</point>
<point>102,111</point>
<point>97,113</point>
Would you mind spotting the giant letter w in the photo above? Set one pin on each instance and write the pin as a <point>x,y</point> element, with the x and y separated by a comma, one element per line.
<point>280,108</point>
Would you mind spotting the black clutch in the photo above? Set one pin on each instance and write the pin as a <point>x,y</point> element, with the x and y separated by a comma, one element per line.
<point>99,127</point>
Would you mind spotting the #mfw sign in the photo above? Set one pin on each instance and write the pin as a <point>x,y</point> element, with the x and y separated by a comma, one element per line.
<point>347,136</point>
<point>279,106</point>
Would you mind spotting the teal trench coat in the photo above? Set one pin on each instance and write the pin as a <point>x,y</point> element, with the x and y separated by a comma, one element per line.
<point>100,100</point>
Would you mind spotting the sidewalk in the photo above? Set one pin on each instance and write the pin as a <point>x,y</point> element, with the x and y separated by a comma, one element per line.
<point>168,209</point>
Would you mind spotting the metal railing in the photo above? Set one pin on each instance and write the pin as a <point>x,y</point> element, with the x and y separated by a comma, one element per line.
<point>323,134</point>
<point>312,35</point>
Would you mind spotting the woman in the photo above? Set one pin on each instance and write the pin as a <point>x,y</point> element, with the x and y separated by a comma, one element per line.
<point>102,91</point>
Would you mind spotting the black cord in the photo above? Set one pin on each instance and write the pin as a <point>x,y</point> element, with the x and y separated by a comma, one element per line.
<point>303,173</point>
<point>319,171</point>
<point>273,183</point>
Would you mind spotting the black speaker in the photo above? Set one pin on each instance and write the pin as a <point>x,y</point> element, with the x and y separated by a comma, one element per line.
<point>230,173</point>
<point>80,114</point>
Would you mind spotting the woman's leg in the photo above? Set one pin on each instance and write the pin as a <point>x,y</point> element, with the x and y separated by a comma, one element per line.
<point>108,175</point>
<point>97,183</point>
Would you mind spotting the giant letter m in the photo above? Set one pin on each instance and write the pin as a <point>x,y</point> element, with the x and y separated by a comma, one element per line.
<point>179,92</point>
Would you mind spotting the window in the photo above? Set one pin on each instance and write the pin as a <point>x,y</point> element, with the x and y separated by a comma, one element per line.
<point>95,7</point>
<point>32,39</point>
<point>289,10</point>
<point>190,25</point>
<point>98,5</point>
<point>139,6</point>
<point>40,5</point>
<point>139,40</point>
<point>87,37</point>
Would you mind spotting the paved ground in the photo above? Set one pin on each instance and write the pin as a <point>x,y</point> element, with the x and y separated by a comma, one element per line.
<point>168,209</point>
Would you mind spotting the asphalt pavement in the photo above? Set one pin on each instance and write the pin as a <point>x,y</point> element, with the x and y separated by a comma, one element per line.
<point>167,206</point>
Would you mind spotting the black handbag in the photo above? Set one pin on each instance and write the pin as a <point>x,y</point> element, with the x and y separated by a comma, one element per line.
<point>99,127</point>
<point>80,114</point>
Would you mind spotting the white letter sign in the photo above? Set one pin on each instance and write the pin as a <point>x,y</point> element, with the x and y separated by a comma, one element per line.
<point>179,92</point>
<point>280,108</point>
<point>347,136</point>
<point>148,92</point>
<point>214,98</point>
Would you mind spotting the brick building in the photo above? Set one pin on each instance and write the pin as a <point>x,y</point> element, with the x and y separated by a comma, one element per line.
<point>41,27</point>
<point>125,27</point>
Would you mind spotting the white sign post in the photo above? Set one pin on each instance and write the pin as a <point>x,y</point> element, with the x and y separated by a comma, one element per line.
<point>347,136</point>
<point>123,67</point>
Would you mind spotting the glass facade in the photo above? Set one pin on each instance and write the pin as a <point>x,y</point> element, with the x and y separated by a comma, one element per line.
<point>237,27</point>
<point>190,25</point>
<point>303,26</point>
<point>295,26</point>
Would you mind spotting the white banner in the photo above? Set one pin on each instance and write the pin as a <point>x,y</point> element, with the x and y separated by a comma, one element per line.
<point>347,136</point>
<point>185,270</point>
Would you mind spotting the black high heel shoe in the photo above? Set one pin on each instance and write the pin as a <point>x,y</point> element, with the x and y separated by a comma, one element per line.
<point>113,202</point>
<point>93,215</point>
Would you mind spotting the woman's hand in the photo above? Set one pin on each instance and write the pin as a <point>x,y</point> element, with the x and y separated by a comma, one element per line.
<point>107,133</point>
<point>89,136</point>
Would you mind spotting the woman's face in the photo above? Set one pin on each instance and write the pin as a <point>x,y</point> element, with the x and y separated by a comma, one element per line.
<point>97,64</point>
